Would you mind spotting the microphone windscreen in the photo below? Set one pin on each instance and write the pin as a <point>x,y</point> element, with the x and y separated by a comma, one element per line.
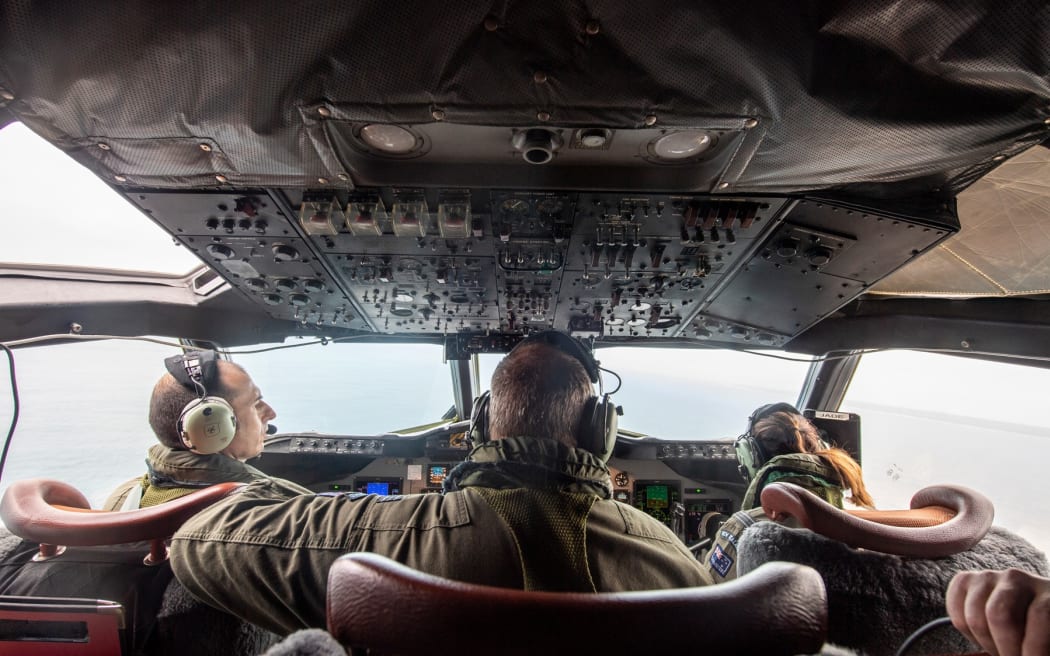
<point>271,429</point>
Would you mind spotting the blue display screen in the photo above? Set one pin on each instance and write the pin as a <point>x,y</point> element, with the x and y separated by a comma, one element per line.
<point>378,488</point>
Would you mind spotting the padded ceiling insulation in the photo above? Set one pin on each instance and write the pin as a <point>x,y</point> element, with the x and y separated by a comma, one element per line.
<point>876,98</point>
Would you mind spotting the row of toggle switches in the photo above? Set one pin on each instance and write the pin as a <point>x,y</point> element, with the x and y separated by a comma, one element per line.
<point>336,445</point>
<point>696,450</point>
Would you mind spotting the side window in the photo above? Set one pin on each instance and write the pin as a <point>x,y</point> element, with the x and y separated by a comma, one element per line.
<point>931,418</point>
<point>84,413</point>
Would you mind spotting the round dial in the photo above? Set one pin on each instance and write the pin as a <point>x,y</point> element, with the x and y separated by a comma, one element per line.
<point>622,479</point>
<point>549,206</point>
<point>515,206</point>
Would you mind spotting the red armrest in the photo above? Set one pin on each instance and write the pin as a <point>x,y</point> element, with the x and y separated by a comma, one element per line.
<point>52,512</point>
<point>967,516</point>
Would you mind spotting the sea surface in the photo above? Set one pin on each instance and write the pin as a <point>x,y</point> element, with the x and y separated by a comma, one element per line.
<point>83,419</point>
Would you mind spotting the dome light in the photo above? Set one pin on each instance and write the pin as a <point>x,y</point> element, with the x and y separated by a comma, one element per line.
<point>392,139</point>
<point>676,146</point>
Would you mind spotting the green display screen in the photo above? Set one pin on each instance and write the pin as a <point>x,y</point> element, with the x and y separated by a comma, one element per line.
<point>656,496</point>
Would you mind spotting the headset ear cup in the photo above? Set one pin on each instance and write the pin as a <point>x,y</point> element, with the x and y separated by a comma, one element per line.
<point>598,427</point>
<point>207,425</point>
<point>749,460</point>
<point>478,433</point>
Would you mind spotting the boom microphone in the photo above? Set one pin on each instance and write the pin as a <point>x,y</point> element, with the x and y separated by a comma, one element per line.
<point>271,429</point>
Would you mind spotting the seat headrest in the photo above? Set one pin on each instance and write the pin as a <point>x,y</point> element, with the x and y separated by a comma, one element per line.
<point>376,603</point>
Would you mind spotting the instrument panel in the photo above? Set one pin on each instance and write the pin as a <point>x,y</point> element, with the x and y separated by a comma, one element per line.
<point>685,485</point>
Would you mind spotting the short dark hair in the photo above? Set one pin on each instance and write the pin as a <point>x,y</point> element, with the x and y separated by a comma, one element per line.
<point>538,391</point>
<point>170,397</point>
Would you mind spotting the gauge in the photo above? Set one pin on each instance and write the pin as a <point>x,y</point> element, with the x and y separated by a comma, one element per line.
<point>641,306</point>
<point>549,206</point>
<point>515,206</point>
<point>622,479</point>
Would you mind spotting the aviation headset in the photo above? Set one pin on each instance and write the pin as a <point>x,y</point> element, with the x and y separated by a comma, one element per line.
<point>750,455</point>
<point>207,424</point>
<point>597,430</point>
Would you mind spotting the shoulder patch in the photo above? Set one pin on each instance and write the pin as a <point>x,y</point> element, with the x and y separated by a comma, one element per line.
<point>720,561</point>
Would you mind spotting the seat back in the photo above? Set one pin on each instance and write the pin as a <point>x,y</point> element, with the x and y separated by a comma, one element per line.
<point>377,604</point>
<point>33,626</point>
<point>105,559</point>
<point>943,520</point>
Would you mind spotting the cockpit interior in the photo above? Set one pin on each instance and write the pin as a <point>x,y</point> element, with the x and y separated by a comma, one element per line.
<point>817,181</point>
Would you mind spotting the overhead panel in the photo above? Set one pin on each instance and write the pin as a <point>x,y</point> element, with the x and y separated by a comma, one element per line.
<point>823,254</point>
<point>253,241</point>
<point>736,270</point>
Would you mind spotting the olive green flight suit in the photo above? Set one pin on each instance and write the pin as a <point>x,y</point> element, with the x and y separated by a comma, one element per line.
<point>174,473</point>
<point>519,513</point>
<point>805,470</point>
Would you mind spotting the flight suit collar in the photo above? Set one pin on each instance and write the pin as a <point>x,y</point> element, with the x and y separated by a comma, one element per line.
<point>180,468</point>
<point>532,462</point>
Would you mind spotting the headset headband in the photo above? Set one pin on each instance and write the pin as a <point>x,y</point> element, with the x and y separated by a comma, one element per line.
<point>766,410</point>
<point>567,345</point>
<point>194,370</point>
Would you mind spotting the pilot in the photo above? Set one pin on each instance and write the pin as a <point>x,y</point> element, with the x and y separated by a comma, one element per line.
<point>530,508</point>
<point>1005,612</point>
<point>209,418</point>
<point>781,445</point>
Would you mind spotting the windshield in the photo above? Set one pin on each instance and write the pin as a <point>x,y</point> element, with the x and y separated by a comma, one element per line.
<point>29,167</point>
<point>352,389</point>
<point>84,406</point>
<point>691,393</point>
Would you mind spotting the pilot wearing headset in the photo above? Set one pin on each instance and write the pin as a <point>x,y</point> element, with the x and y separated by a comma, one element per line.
<point>781,445</point>
<point>209,417</point>
<point>530,508</point>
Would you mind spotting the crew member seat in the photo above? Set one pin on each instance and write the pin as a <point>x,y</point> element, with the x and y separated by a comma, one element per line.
<point>380,606</point>
<point>81,580</point>
<point>886,572</point>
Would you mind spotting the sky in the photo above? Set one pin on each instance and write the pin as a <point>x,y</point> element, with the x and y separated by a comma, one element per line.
<point>50,206</point>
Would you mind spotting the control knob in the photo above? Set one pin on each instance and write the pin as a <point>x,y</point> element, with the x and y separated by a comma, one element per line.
<point>284,253</point>
<point>818,255</point>
<point>788,247</point>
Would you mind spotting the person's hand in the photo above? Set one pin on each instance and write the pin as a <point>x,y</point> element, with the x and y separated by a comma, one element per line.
<point>1007,613</point>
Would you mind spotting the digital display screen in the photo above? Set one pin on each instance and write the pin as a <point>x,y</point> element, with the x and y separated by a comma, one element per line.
<point>436,474</point>
<point>656,496</point>
<point>658,499</point>
<point>378,485</point>
<point>378,488</point>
